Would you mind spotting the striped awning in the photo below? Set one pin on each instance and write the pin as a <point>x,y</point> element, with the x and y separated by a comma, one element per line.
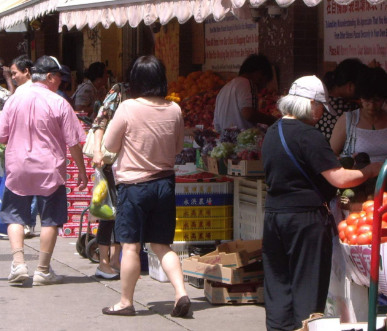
<point>13,12</point>
<point>81,13</point>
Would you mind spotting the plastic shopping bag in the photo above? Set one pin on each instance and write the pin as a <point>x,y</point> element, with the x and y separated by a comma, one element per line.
<point>101,205</point>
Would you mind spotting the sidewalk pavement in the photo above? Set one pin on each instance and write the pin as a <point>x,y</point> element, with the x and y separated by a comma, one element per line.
<point>76,304</point>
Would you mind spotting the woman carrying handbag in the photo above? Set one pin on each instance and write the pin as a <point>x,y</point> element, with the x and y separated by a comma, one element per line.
<point>109,248</point>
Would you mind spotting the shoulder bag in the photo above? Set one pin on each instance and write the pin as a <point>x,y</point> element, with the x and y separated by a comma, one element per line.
<point>88,147</point>
<point>351,118</point>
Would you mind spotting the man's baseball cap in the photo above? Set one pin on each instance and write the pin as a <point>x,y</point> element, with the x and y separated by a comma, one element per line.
<point>66,74</point>
<point>46,64</point>
<point>312,88</point>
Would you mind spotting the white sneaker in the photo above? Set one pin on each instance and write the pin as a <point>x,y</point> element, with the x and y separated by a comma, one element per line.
<point>18,274</point>
<point>50,278</point>
<point>27,231</point>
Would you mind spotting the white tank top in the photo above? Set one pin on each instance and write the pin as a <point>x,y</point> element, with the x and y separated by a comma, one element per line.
<point>372,142</point>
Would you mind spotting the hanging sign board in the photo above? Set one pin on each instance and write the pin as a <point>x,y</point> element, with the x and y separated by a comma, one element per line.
<point>356,30</point>
<point>229,42</point>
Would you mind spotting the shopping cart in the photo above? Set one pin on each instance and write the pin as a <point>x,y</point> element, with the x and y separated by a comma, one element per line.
<point>377,233</point>
<point>86,244</point>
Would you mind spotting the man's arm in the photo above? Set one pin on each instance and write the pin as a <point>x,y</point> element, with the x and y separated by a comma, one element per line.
<point>76,153</point>
<point>254,116</point>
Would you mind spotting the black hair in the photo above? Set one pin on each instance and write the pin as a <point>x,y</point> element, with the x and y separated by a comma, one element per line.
<point>257,62</point>
<point>148,78</point>
<point>346,71</point>
<point>23,63</point>
<point>372,83</point>
<point>96,70</point>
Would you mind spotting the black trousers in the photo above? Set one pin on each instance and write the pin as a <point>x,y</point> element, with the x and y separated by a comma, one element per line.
<point>297,252</point>
<point>105,234</point>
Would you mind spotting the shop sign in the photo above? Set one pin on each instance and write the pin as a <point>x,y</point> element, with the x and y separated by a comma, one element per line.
<point>229,42</point>
<point>357,30</point>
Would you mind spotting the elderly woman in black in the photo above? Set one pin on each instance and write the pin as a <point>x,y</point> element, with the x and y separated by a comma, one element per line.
<point>302,174</point>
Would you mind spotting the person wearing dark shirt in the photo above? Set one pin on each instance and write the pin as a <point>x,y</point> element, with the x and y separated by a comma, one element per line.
<point>297,238</point>
<point>341,85</point>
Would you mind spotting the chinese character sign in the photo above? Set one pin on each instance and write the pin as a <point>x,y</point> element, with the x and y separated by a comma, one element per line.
<point>356,30</point>
<point>229,42</point>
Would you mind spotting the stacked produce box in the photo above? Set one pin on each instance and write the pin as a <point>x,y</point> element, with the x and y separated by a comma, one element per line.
<point>233,273</point>
<point>204,208</point>
<point>77,201</point>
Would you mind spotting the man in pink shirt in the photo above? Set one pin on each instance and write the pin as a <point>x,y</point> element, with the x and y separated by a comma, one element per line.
<point>37,125</point>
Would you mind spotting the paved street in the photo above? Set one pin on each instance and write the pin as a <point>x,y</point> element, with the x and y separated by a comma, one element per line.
<point>77,304</point>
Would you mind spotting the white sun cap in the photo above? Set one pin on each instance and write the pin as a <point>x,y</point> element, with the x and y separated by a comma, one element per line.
<point>312,88</point>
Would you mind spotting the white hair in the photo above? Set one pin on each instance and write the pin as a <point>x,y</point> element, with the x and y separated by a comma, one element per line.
<point>37,77</point>
<point>294,105</point>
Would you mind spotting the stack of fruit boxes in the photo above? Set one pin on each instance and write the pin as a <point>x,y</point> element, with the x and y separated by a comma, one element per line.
<point>204,210</point>
<point>78,201</point>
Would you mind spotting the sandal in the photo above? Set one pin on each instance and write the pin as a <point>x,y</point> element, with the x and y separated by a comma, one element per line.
<point>182,307</point>
<point>127,311</point>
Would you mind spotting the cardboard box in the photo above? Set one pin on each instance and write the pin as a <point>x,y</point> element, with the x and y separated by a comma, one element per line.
<point>317,322</point>
<point>216,166</point>
<point>235,254</point>
<point>73,191</point>
<point>218,273</point>
<point>245,168</point>
<point>218,293</point>
<point>71,230</point>
<point>224,265</point>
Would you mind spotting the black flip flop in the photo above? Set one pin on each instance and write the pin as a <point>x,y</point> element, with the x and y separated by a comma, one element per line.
<point>182,307</point>
<point>127,311</point>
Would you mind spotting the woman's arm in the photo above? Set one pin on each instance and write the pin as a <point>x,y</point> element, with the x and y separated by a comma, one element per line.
<point>97,154</point>
<point>339,135</point>
<point>344,178</point>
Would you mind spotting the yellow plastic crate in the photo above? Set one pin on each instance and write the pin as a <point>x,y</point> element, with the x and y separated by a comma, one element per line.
<point>203,235</point>
<point>204,223</point>
<point>198,212</point>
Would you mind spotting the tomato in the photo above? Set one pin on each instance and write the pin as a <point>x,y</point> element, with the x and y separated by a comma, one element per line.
<point>384,217</point>
<point>364,238</point>
<point>384,224</point>
<point>352,218</point>
<point>342,235</point>
<point>362,213</point>
<point>352,239</point>
<point>362,221</point>
<point>370,218</point>
<point>350,230</point>
<point>369,209</point>
<point>367,204</point>
<point>364,229</point>
<point>342,225</point>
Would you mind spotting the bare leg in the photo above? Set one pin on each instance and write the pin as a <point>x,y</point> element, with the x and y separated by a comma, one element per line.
<point>48,235</point>
<point>130,272</point>
<point>104,260</point>
<point>171,265</point>
<point>115,250</point>
<point>16,239</point>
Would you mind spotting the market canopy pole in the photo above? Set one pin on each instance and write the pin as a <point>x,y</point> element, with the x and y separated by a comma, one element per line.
<point>379,210</point>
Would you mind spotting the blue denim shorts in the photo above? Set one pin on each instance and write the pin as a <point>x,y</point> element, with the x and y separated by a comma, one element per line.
<point>16,209</point>
<point>146,212</point>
